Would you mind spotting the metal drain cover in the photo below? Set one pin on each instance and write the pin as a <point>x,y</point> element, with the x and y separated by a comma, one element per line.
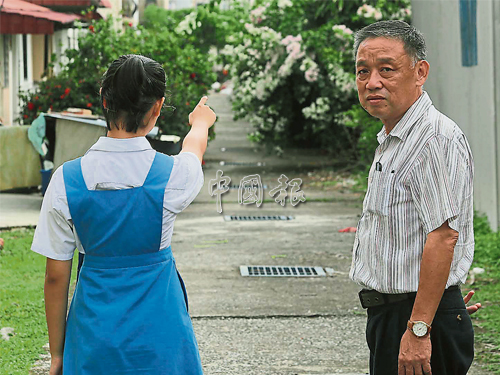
<point>256,218</point>
<point>282,271</point>
<point>246,164</point>
<point>237,187</point>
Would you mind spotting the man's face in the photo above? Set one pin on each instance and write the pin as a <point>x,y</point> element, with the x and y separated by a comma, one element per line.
<point>388,84</point>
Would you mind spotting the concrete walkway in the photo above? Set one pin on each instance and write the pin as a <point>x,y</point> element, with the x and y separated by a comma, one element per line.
<point>258,326</point>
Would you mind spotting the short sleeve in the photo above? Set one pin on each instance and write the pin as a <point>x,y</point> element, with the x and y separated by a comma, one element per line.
<point>54,236</point>
<point>437,184</point>
<point>186,181</point>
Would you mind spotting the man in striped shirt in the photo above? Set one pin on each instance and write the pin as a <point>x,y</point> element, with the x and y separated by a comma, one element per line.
<point>415,243</point>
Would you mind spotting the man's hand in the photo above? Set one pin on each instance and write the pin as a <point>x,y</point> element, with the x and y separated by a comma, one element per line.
<point>473,308</point>
<point>56,366</point>
<point>414,355</point>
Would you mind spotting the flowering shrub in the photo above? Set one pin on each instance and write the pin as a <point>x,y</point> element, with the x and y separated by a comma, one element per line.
<point>207,27</point>
<point>57,94</point>
<point>188,72</point>
<point>293,72</point>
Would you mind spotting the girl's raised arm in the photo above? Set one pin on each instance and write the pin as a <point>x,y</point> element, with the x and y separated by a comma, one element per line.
<point>201,119</point>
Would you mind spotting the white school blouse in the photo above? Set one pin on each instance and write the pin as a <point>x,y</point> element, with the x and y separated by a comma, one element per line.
<point>113,164</point>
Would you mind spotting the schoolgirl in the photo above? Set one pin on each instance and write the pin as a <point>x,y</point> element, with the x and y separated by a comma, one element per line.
<point>117,204</point>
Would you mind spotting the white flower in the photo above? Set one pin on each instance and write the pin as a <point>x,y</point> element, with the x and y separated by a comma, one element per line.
<point>291,39</point>
<point>227,50</point>
<point>369,12</point>
<point>311,74</point>
<point>342,28</point>
<point>286,69</point>
<point>188,24</point>
<point>258,12</point>
<point>318,110</point>
<point>308,63</point>
<point>284,4</point>
<point>260,89</point>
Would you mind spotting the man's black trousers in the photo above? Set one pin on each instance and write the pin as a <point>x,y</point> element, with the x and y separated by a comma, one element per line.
<point>452,336</point>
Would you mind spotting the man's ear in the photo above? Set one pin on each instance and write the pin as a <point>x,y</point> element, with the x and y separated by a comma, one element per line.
<point>422,71</point>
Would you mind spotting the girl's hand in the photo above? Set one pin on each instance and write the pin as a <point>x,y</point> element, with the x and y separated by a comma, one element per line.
<point>202,114</point>
<point>56,366</point>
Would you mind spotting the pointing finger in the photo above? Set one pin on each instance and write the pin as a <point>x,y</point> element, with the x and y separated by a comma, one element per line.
<point>203,101</point>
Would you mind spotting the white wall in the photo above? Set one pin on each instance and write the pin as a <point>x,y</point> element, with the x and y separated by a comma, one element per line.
<point>468,95</point>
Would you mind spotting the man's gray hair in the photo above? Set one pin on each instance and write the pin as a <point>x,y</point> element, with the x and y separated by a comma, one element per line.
<point>413,40</point>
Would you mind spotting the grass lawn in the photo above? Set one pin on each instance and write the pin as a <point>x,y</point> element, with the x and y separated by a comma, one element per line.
<point>21,302</point>
<point>487,287</point>
<point>22,307</point>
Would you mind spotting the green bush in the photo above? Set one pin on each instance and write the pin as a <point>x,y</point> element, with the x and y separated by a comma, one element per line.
<point>189,73</point>
<point>207,27</point>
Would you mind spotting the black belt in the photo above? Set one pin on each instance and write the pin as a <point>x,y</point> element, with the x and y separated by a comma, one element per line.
<point>372,298</point>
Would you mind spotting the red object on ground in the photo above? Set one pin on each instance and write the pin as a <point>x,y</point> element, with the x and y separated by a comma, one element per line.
<point>348,230</point>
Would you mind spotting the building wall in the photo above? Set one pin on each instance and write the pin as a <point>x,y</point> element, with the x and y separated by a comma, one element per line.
<point>468,95</point>
<point>496,46</point>
<point>114,11</point>
<point>38,56</point>
<point>3,89</point>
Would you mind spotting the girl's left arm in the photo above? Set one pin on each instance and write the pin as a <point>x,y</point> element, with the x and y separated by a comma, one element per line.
<point>57,279</point>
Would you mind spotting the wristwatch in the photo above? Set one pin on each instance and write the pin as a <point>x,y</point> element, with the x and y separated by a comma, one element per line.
<point>419,328</point>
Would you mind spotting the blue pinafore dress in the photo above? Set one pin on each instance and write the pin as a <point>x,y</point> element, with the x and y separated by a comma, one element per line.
<point>129,313</point>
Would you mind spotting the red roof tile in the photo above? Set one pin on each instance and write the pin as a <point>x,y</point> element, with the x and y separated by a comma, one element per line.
<point>24,8</point>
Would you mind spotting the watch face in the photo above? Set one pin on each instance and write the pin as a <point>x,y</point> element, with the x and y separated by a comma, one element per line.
<point>419,329</point>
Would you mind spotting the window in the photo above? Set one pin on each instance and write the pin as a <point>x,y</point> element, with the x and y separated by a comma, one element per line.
<point>25,57</point>
<point>6,44</point>
<point>468,31</point>
<point>46,53</point>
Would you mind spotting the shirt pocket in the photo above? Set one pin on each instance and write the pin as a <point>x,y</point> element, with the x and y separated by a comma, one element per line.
<point>379,194</point>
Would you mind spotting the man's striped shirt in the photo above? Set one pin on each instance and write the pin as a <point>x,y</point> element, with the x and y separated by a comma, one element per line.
<point>421,177</point>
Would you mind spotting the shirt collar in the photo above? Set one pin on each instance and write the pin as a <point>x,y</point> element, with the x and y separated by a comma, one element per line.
<point>410,117</point>
<point>121,145</point>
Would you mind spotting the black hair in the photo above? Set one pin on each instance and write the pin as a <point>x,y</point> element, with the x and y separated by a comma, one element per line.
<point>131,86</point>
<point>413,40</point>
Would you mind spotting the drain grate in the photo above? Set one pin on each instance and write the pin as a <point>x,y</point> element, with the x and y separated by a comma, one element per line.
<point>246,164</point>
<point>237,187</point>
<point>256,218</point>
<point>282,271</point>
